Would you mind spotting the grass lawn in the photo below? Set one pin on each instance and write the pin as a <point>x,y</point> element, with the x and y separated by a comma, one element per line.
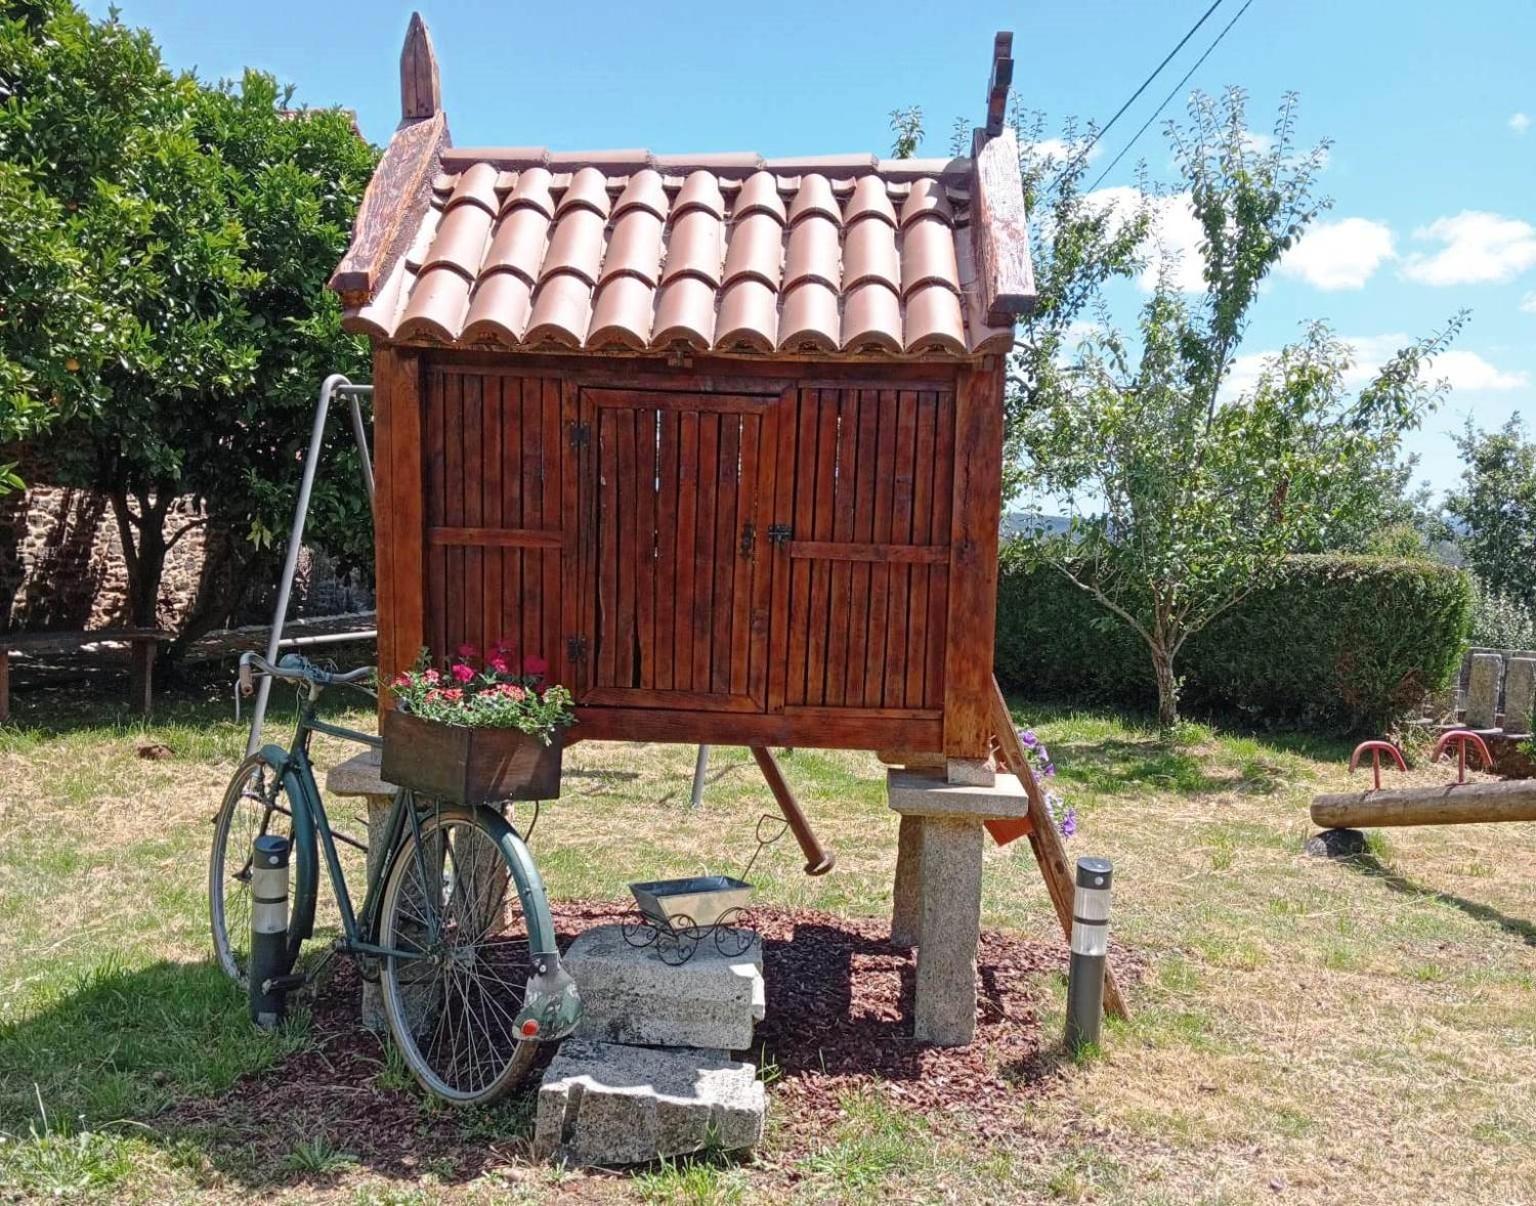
<point>1358,1032</point>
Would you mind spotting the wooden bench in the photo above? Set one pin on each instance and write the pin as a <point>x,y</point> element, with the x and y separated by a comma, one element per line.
<point>143,643</point>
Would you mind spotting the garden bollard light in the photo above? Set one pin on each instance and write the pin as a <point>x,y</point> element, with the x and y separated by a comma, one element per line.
<point>269,930</point>
<point>1090,949</point>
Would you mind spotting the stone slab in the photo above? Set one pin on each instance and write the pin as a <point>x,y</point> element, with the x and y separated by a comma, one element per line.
<point>1519,694</point>
<point>358,776</point>
<point>629,995</point>
<point>927,794</point>
<point>970,772</point>
<point>1483,681</point>
<point>608,1104</point>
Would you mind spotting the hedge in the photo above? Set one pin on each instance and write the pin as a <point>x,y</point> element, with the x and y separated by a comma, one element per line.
<point>1334,643</point>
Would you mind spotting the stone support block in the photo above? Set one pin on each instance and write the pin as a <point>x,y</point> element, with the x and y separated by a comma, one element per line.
<point>927,794</point>
<point>951,928</point>
<point>629,995</point>
<point>907,897</point>
<point>607,1104</point>
<point>359,776</point>
<point>1519,694</point>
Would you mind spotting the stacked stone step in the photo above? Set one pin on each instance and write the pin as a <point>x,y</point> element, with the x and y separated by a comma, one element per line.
<point>650,1073</point>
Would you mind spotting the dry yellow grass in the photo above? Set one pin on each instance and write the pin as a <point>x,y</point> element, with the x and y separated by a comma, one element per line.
<point>1308,1031</point>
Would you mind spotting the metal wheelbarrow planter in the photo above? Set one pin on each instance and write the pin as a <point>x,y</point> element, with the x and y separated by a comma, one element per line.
<point>678,914</point>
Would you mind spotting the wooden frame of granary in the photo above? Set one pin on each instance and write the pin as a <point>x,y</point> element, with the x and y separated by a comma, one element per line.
<point>717,436</point>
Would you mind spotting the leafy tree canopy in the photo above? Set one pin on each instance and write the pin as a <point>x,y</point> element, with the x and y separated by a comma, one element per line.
<point>1190,493</point>
<point>1495,509</point>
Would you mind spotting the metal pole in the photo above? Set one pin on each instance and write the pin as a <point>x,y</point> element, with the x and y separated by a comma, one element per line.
<point>269,930</point>
<point>701,765</point>
<point>1090,950</point>
<point>291,560</point>
<point>360,434</point>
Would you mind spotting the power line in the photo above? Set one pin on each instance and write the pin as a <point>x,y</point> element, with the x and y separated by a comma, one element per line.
<point>1176,89</point>
<point>1145,84</point>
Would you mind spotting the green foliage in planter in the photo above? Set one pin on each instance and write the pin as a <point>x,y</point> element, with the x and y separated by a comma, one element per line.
<point>1336,643</point>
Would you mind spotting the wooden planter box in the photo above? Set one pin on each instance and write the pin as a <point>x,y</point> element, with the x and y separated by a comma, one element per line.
<point>468,766</point>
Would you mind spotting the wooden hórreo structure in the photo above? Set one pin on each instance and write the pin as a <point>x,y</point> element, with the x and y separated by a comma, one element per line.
<point>718,436</point>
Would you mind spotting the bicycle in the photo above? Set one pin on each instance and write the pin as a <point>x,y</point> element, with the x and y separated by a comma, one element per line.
<point>472,982</point>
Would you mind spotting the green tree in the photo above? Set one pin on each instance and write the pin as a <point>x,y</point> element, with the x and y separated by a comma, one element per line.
<point>1193,494</point>
<point>204,221</point>
<point>1495,509</point>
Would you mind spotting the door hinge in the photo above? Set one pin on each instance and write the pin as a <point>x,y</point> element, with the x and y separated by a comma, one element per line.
<point>581,435</point>
<point>576,648</point>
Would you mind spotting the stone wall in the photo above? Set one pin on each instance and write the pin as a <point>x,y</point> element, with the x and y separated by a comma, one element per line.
<point>61,567</point>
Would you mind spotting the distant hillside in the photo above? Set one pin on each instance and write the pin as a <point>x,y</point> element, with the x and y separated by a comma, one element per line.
<point>1025,523</point>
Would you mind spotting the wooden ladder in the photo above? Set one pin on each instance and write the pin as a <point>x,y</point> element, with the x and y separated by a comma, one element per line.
<point>1043,838</point>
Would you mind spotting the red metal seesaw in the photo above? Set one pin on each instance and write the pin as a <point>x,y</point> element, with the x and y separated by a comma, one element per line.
<point>1377,749</point>
<point>1462,738</point>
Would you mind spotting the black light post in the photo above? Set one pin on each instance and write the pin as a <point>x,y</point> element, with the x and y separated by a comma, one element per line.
<point>1090,949</point>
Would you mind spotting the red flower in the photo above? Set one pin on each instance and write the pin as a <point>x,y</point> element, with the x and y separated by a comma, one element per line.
<point>462,672</point>
<point>534,665</point>
<point>467,650</point>
<point>451,694</point>
<point>402,680</point>
<point>499,664</point>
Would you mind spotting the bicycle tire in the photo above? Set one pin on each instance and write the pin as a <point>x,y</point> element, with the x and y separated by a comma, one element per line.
<point>418,996</point>
<point>303,882</point>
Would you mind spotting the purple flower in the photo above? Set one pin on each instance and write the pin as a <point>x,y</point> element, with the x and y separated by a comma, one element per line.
<point>1049,770</point>
<point>1068,825</point>
<point>1042,753</point>
<point>1028,738</point>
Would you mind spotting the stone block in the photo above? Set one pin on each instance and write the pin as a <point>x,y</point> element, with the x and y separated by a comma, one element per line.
<point>359,776</point>
<point>970,772</point>
<point>629,995</point>
<point>1484,678</point>
<point>907,896</point>
<point>951,927</point>
<point>927,794</point>
<point>608,1104</point>
<point>1519,694</point>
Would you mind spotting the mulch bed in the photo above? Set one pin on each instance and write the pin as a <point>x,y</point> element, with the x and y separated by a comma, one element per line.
<point>839,1006</point>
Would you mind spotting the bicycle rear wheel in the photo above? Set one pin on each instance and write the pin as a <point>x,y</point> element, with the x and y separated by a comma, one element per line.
<point>254,804</point>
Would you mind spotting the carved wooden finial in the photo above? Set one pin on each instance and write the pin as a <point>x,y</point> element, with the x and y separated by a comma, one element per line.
<point>997,86</point>
<point>420,93</point>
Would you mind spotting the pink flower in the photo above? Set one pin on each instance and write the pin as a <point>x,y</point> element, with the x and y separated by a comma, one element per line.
<point>462,672</point>
<point>431,676</point>
<point>402,680</point>
<point>467,650</point>
<point>499,664</point>
<point>516,692</point>
<point>534,665</point>
<point>451,694</point>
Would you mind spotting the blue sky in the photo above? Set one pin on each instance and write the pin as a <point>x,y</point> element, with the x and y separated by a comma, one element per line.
<point>1432,110</point>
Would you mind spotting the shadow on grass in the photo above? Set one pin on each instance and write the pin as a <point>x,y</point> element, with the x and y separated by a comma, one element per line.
<point>1369,864</point>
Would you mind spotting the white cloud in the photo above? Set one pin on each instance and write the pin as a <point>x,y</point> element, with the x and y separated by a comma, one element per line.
<point>1478,248</point>
<point>1460,369</point>
<point>1060,150</point>
<point>1528,302</point>
<point>1175,236</point>
<point>1254,141</point>
<point>1339,255</point>
<point>1519,122</point>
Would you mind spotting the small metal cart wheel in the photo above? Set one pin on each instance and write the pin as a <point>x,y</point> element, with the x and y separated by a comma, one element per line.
<point>638,930</point>
<point>734,934</point>
<point>678,941</point>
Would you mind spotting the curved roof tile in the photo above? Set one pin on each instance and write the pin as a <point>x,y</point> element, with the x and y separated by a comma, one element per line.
<point>627,250</point>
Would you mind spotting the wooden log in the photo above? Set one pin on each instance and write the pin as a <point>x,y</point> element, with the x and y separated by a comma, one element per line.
<point>817,860</point>
<point>1453,804</point>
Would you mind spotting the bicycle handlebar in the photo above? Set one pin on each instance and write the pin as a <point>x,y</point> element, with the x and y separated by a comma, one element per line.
<point>296,669</point>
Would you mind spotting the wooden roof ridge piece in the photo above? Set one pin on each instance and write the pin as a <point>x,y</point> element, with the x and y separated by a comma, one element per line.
<point>421,92</point>
<point>1006,276</point>
<point>999,83</point>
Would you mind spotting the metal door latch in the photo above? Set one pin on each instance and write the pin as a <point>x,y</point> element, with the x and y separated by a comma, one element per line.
<point>779,533</point>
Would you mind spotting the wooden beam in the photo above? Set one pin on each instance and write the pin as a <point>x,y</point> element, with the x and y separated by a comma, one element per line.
<point>421,93</point>
<point>395,199</point>
<point>1043,839</point>
<point>1452,804</point>
<point>999,83</point>
<point>1001,231</point>
<point>817,860</point>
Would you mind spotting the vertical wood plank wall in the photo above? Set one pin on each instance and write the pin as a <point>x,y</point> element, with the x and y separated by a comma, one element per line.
<point>817,552</point>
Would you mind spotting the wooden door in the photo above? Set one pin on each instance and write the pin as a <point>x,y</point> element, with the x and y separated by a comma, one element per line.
<point>864,580</point>
<point>676,501</point>
<point>495,527</point>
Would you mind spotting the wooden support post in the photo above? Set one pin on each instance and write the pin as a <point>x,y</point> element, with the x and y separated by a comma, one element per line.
<point>817,860</point>
<point>1043,839</point>
<point>141,674</point>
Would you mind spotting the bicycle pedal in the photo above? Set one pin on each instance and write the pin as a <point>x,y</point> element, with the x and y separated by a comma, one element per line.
<point>288,983</point>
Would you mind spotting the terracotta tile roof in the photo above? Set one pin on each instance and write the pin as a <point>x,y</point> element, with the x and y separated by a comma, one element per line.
<point>528,248</point>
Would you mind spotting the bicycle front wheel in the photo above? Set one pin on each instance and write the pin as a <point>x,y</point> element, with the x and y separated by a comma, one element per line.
<point>254,805</point>
<point>452,910</point>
